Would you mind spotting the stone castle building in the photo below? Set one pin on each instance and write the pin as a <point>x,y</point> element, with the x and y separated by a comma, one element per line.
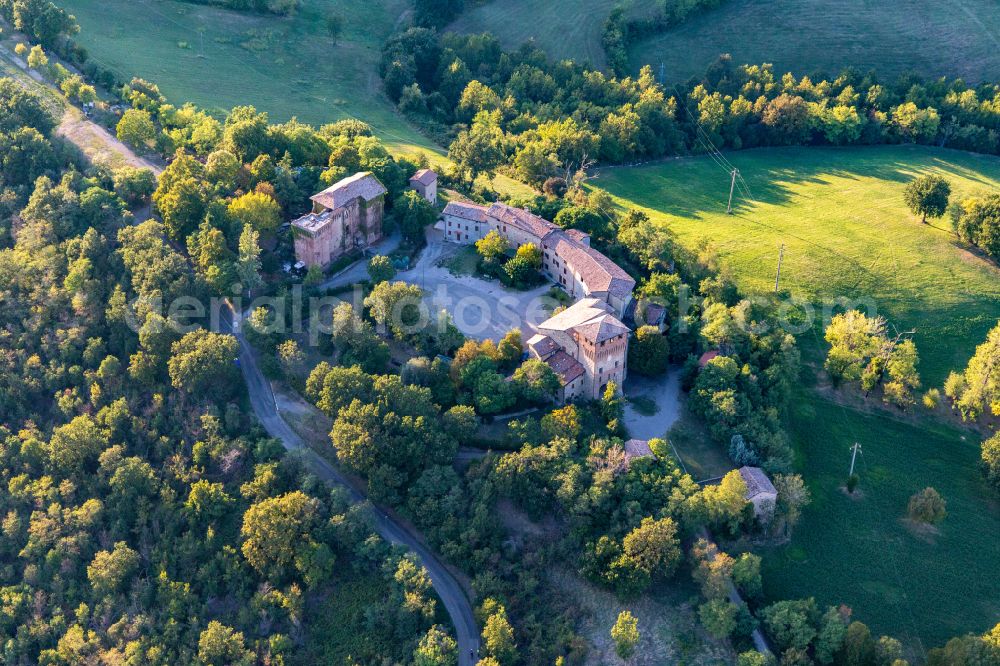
<point>345,216</point>
<point>567,258</point>
<point>586,344</point>
<point>587,347</point>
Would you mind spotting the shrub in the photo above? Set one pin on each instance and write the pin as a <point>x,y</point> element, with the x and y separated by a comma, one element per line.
<point>990,457</point>
<point>927,506</point>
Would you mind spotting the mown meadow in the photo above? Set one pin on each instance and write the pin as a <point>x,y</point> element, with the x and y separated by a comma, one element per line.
<point>846,231</point>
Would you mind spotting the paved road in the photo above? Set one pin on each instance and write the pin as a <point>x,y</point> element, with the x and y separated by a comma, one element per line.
<point>358,271</point>
<point>447,587</point>
<point>665,392</point>
<point>759,640</point>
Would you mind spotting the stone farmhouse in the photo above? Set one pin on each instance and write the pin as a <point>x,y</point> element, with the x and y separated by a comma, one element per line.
<point>586,344</point>
<point>425,183</point>
<point>760,492</point>
<point>567,258</point>
<point>345,216</point>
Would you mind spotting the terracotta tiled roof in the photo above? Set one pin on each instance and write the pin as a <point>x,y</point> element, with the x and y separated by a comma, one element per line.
<point>590,317</point>
<point>603,329</point>
<point>522,219</point>
<point>654,314</point>
<point>565,366</point>
<point>424,177</point>
<point>542,346</point>
<point>637,448</point>
<point>364,185</point>
<point>706,357</point>
<point>757,482</point>
<point>597,272</point>
<point>466,211</point>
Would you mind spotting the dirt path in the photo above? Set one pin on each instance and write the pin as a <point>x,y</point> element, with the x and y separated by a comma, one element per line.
<point>98,144</point>
<point>94,141</point>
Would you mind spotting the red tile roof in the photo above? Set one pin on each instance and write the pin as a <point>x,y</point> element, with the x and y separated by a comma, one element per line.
<point>522,219</point>
<point>424,177</point>
<point>597,272</point>
<point>706,357</point>
<point>565,366</point>
<point>465,210</point>
<point>364,185</point>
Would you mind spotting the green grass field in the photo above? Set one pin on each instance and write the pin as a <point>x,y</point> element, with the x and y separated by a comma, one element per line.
<point>287,66</point>
<point>846,232</point>
<point>219,59</point>
<point>955,39</point>
<point>921,588</point>
<point>563,28</point>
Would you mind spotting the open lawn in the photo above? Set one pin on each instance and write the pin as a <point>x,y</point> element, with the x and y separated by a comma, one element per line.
<point>287,66</point>
<point>219,58</point>
<point>846,232</point>
<point>954,38</point>
<point>862,552</point>
<point>563,28</point>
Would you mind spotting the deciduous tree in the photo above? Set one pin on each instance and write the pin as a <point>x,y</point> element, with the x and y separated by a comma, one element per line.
<point>625,634</point>
<point>927,196</point>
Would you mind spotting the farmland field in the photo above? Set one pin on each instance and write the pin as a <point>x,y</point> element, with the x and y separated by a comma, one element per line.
<point>846,232</point>
<point>958,38</point>
<point>840,215</point>
<point>219,59</point>
<point>563,29</point>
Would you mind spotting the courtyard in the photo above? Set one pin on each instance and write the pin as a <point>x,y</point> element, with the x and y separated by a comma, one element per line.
<point>480,308</point>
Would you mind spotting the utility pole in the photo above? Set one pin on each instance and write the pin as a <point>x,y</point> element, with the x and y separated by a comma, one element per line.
<point>854,456</point>
<point>777,277</point>
<point>732,188</point>
<point>662,77</point>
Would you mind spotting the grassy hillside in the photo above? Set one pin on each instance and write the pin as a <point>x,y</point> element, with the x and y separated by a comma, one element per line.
<point>958,38</point>
<point>922,586</point>
<point>846,232</point>
<point>286,66</point>
<point>564,28</point>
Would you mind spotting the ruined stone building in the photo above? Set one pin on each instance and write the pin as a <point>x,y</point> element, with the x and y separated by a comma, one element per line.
<point>345,216</point>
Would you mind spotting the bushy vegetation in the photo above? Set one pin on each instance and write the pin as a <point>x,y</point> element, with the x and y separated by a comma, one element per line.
<point>548,119</point>
<point>41,20</point>
<point>620,31</point>
<point>146,517</point>
<point>281,7</point>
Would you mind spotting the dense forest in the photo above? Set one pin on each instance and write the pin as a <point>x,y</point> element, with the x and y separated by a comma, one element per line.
<point>147,517</point>
<point>539,119</point>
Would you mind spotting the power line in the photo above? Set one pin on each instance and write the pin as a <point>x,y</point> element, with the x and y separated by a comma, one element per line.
<point>746,193</point>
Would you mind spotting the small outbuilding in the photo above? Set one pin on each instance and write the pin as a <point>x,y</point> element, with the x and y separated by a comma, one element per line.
<point>760,492</point>
<point>425,183</point>
<point>706,357</point>
<point>637,448</point>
